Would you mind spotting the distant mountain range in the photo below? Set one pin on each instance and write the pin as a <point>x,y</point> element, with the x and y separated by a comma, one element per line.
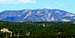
<point>36,15</point>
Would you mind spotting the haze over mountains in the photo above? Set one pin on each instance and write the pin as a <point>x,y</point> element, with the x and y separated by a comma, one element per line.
<point>36,15</point>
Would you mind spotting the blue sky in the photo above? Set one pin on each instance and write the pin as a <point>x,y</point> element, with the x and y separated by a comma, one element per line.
<point>67,5</point>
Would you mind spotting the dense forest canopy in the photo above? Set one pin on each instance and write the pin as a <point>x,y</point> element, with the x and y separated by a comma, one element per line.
<point>45,29</point>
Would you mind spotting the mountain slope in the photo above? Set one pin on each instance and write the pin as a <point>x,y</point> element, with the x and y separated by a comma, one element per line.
<point>53,15</point>
<point>36,15</point>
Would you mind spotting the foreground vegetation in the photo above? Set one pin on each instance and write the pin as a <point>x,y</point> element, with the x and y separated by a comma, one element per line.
<point>39,29</point>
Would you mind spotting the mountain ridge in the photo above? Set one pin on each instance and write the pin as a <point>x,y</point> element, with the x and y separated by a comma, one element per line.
<point>36,15</point>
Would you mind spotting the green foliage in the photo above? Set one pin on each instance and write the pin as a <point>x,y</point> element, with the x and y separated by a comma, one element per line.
<point>37,30</point>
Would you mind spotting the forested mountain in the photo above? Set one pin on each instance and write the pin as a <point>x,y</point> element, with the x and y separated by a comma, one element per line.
<point>36,15</point>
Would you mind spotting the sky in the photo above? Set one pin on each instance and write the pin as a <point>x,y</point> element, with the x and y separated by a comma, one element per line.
<point>66,5</point>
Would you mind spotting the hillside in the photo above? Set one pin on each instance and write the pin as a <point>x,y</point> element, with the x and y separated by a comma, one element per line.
<point>36,15</point>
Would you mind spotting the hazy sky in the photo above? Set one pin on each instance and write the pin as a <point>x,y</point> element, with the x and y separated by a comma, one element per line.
<point>67,5</point>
